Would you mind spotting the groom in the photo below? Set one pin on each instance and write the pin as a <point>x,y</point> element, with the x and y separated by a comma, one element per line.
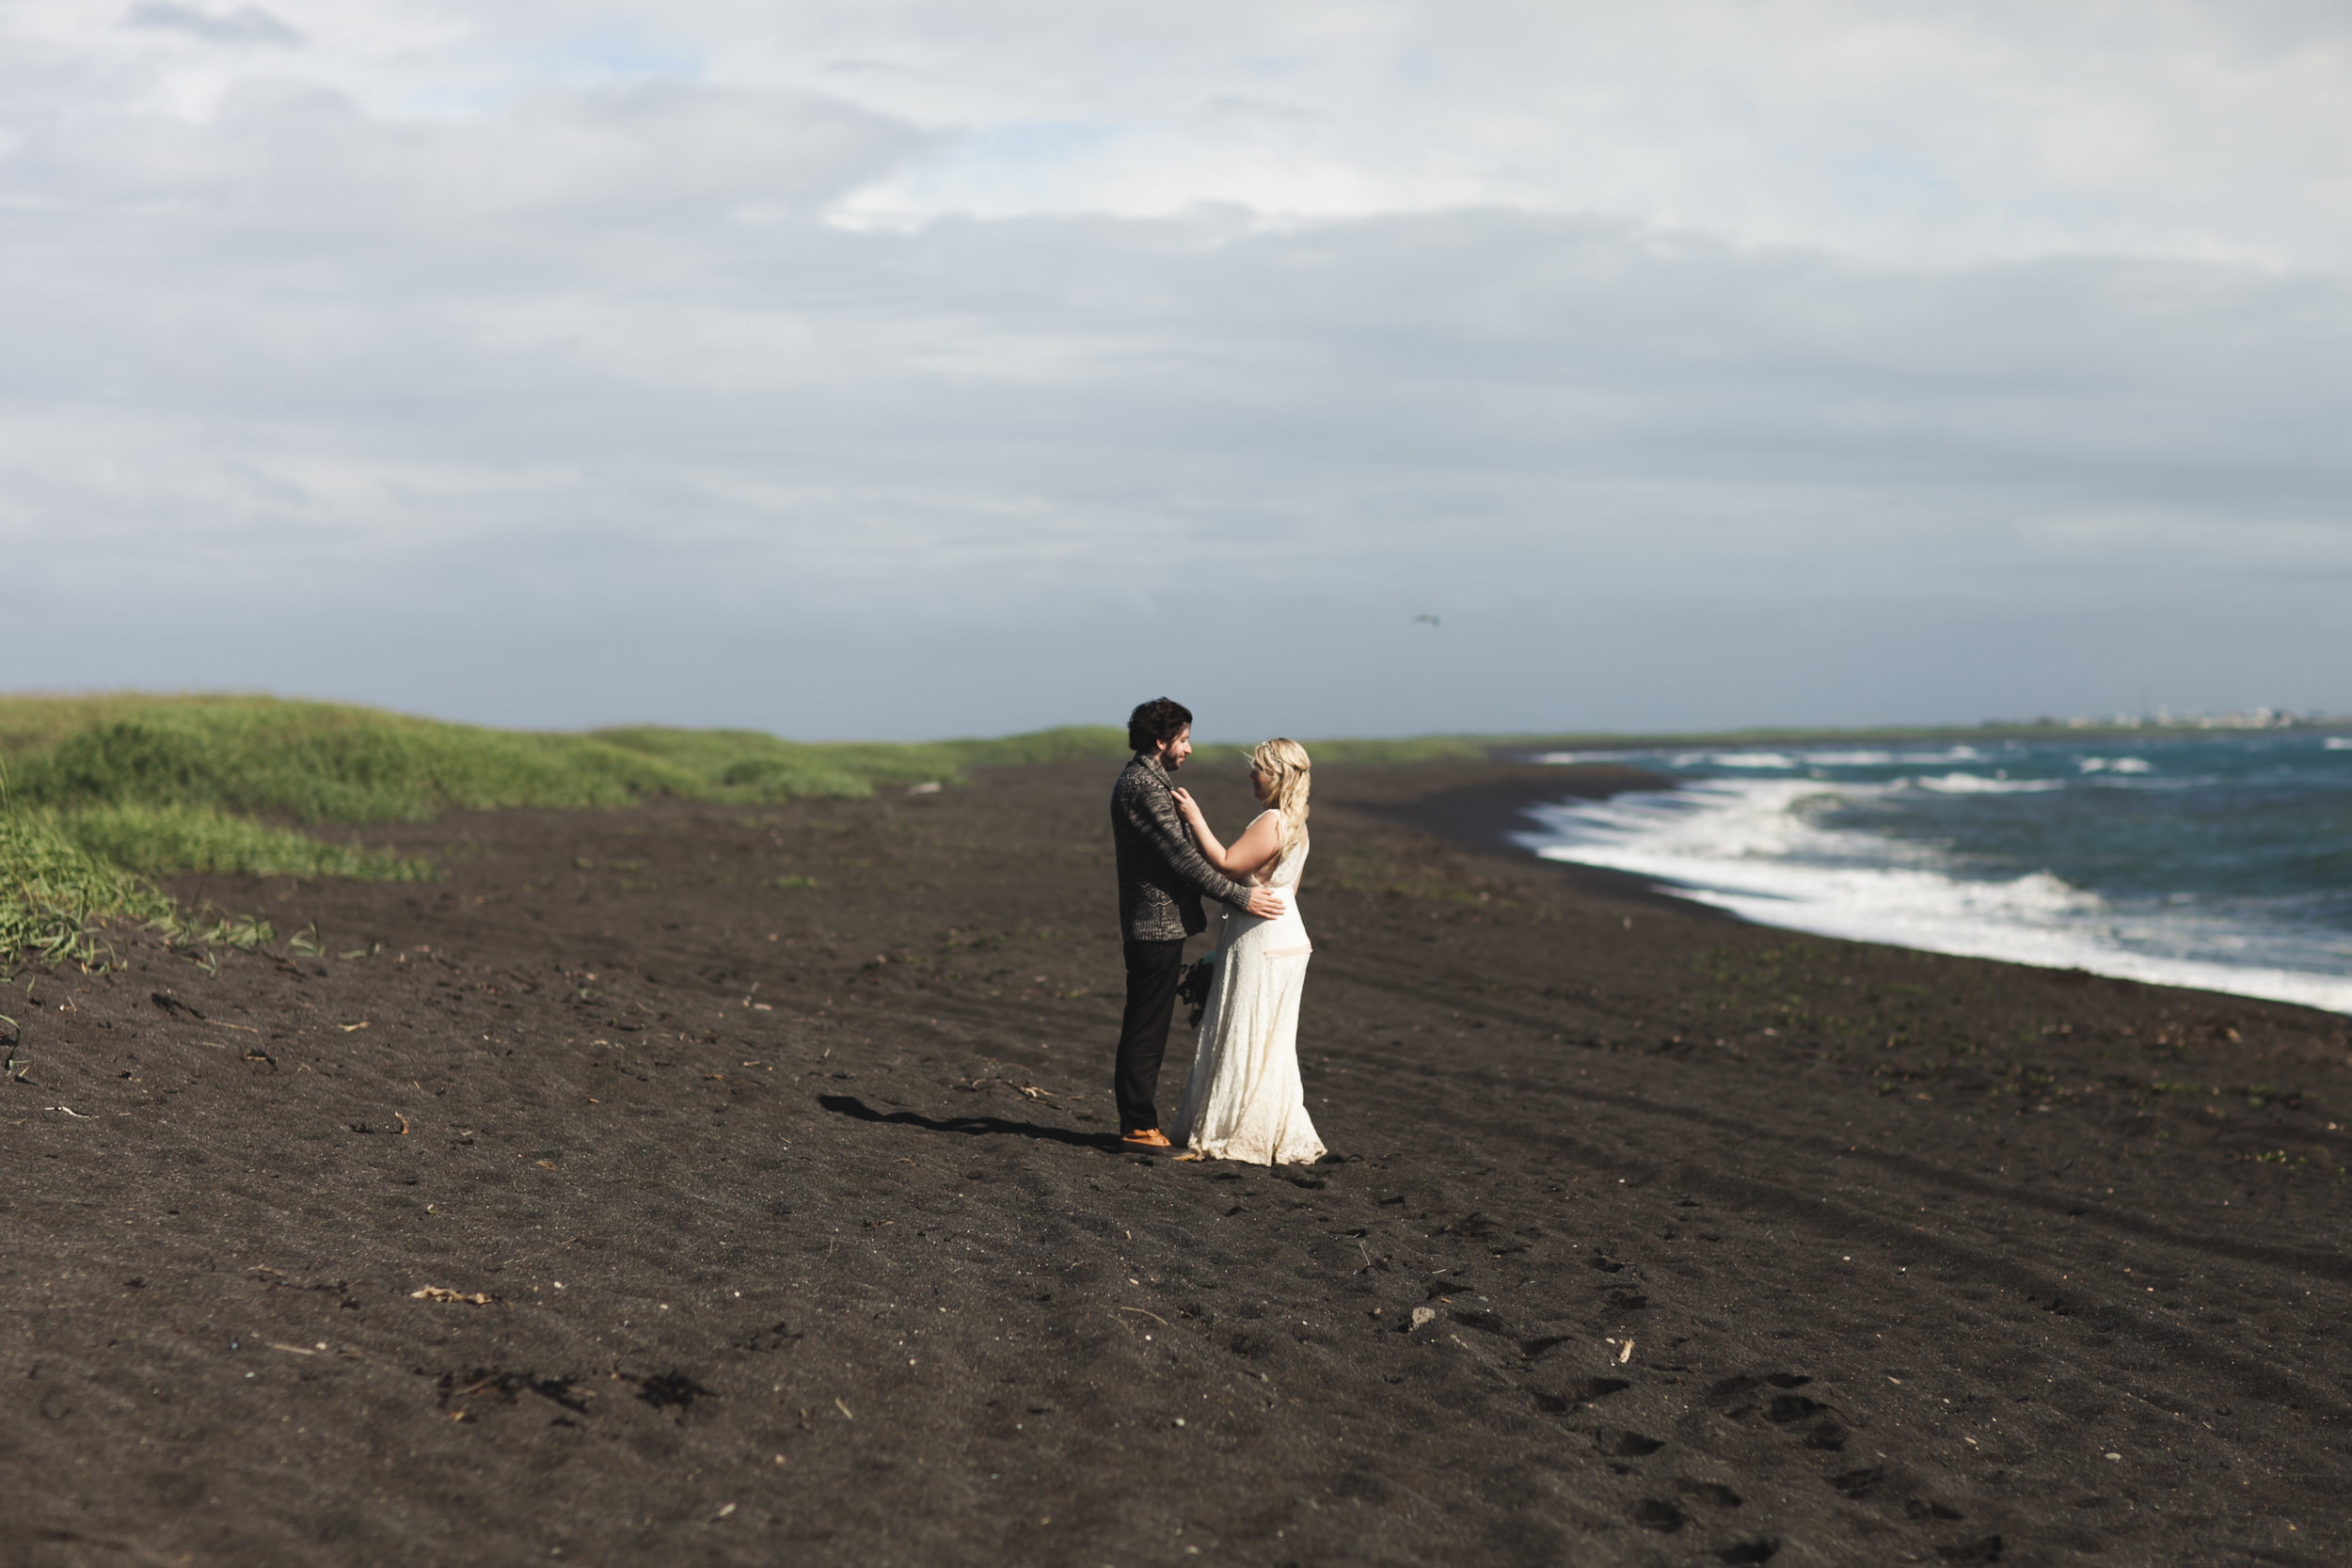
<point>1161,879</point>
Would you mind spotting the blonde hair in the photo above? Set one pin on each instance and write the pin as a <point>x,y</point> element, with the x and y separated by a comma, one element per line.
<point>1283,761</point>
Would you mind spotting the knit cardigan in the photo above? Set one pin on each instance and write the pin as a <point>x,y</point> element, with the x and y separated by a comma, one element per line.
<point>1161,872</point>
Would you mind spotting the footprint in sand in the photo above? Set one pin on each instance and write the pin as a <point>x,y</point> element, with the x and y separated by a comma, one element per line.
<point>1621,1443</point>
<point>1658,1514</point>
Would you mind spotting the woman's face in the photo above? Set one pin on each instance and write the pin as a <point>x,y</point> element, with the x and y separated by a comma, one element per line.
<point>1260,784</point>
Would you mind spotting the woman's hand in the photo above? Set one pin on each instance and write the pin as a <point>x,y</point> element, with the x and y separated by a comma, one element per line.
<point>1184,805</point>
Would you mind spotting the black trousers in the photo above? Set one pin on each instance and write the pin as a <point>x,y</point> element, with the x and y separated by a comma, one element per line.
<point>1153,968</point>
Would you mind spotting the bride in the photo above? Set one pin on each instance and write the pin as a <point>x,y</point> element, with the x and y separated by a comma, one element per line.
<point>1243,1101</point>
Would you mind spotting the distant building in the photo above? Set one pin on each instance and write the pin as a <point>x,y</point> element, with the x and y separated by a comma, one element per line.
<point>2248,718</point>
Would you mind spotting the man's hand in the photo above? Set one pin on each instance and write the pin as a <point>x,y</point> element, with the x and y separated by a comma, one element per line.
<point>1266,903</point>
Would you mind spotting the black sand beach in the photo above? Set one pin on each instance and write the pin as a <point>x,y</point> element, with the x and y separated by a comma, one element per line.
<point>624,1197</point>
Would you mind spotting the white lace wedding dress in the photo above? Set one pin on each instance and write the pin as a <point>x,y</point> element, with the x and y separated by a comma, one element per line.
<point>1243,1101</point>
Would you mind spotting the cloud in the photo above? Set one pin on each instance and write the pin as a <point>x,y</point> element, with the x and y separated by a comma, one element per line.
<point>1064,403</point>
<point>719,381</point>
<point>246,25</point>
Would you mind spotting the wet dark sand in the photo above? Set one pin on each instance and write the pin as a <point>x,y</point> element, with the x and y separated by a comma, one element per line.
<point>1737,1247</point>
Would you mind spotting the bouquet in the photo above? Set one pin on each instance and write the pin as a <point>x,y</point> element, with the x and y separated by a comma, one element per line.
<point>1194,988</point>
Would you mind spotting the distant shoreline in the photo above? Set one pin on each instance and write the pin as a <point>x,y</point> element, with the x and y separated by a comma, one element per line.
<point>1531,746</point>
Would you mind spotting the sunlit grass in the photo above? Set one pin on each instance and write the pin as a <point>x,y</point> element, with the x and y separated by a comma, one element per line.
<point>181,841</point>
<point>54,892</point>
<point>105,794</point>
<point>748,764</point>
<point>318,762</point>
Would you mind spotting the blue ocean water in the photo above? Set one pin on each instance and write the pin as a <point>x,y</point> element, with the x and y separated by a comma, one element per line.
<point>2223,862</point>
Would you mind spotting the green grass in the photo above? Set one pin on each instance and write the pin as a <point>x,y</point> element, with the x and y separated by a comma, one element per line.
<point>33,723</point>
<point>103,795</point>
<point>320,762</point>
<point>53,892</point>
<point>748,764</point>
<point>1431,748</point>
<point>316,762</point>
<point>1070,743</point>
<point>180,841</point>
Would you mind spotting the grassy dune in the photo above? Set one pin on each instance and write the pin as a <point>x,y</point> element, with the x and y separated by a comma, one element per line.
<point>99,795</point>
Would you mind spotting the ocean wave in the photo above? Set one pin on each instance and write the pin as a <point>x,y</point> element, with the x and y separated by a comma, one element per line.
<point>2338,743</point>
<point>2114,765</point>
<point>2108,781</point>
<point>1947,754</point>
<point>1848,759</point>
<point>1977,783</point>
<point>1752,846</point>
<point>1732,759</point>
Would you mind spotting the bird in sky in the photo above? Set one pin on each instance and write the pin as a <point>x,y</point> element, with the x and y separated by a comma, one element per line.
<point>1419,619</point>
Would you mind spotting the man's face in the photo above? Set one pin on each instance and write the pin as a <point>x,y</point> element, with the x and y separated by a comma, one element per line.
<point>1173,753</point>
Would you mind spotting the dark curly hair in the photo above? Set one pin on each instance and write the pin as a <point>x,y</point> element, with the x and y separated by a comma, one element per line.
<point>1161,719</point>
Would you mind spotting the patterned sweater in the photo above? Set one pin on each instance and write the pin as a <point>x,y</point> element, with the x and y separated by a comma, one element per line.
<point>1161,873</point>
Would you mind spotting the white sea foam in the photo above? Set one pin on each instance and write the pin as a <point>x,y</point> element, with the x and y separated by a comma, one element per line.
<point>1749,846</point>
<point>1848,759</point>
<point>1732,759</point>
<point>1977,783</point>
<point>2115,764</point>
<point>2338,743</point>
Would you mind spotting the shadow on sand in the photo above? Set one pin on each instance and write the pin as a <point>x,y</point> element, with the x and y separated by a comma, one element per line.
<point>975,1127</point>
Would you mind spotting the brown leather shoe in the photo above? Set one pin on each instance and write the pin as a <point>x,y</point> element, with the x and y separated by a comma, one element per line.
<point>1146,1138</point>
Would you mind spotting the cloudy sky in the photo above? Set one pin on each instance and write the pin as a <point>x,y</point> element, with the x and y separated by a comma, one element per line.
<point>908,368</point>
